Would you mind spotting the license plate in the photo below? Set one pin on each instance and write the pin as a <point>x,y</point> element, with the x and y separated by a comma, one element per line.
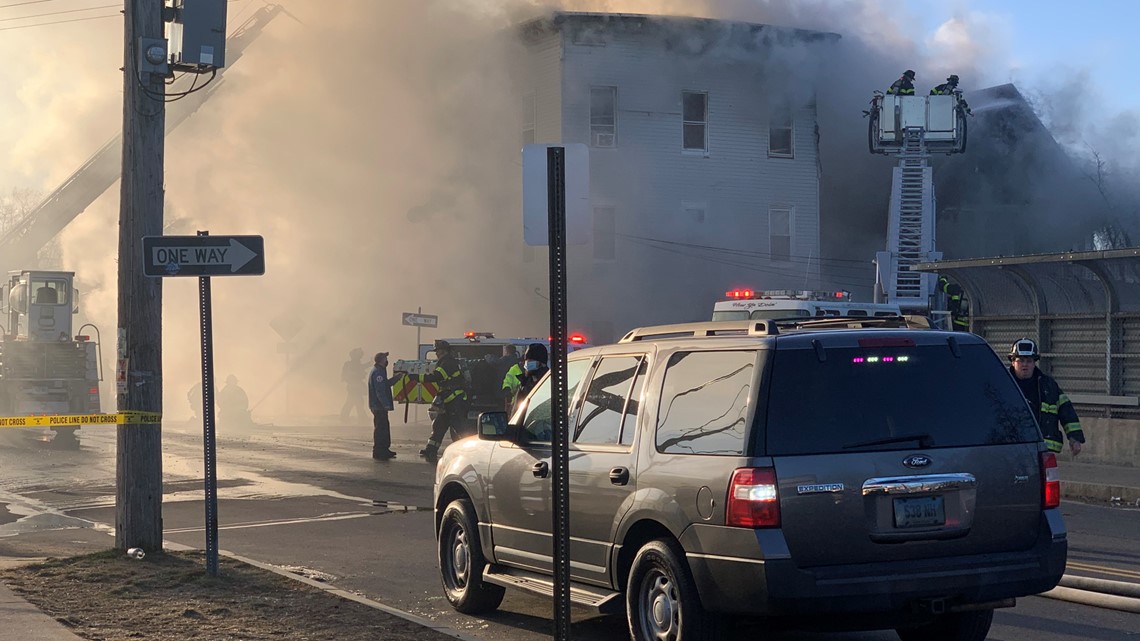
<point>919,512</point>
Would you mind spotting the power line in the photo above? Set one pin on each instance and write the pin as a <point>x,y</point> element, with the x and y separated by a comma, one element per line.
<point>833,263</point>
<point>851,280</point>
<point>44,24</point>
<point>20,4</point>
<point>56,13</point>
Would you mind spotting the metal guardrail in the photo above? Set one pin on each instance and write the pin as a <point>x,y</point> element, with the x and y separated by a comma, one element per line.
<point>1083,308</point>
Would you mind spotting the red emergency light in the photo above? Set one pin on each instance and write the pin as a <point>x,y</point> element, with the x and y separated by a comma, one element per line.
<point>740,293</point>
<point>577,338</point>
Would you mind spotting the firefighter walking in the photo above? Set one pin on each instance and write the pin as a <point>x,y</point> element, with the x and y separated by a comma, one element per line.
<point>1054,411</point>
<point>451,401</point>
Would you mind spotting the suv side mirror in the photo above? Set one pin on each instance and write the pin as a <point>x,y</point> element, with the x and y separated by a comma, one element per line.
<point>493,426</point>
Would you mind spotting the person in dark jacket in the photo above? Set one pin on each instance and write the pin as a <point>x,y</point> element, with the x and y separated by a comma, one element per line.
<point>904,86</point>
<point>955,304</point>
<point>946,88</point>
<point>1054,411</point>
<point>451,401</point>
<point>380,402</point>
<point>522,378</point>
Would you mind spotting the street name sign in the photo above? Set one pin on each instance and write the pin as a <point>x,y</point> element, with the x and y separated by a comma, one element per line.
<point>420,320</point>
<point>203,255</point>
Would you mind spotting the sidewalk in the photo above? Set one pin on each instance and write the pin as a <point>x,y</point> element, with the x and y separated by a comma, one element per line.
<point>1100,483</point>
<point>25,622</point>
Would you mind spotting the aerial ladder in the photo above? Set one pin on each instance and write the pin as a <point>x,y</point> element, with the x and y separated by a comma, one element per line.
<point>20,244</point>
<point>912,129</point>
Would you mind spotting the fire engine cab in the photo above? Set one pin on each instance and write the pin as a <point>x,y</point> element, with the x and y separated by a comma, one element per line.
<point>475,352</point>
<point>742,304</point>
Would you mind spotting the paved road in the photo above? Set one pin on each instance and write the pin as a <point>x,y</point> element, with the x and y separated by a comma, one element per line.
<point>311,498</point>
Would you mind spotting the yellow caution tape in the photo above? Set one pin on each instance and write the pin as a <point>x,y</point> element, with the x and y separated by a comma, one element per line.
<point>119,418</point>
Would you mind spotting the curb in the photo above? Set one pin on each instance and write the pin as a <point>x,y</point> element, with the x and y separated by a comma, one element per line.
<point>1100,492</point>
<point>331,589</point>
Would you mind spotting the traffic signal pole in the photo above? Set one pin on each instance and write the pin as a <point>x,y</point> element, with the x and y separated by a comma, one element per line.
<point>138,473</point>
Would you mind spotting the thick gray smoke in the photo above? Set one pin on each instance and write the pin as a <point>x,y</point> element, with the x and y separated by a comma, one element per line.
<point>375,146</point>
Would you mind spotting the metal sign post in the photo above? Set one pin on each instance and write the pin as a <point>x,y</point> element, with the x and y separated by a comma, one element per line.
<point>560,487</point>
<point>419,320</point>
<point>209,444</point>
<point>205,256</point>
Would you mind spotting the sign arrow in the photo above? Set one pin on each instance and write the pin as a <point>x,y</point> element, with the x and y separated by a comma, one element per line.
<point>421,320</point>
<point>203,255</point>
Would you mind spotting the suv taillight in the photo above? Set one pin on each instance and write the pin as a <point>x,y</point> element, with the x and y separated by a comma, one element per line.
<point>1050,481</point>
<point>753,498</point>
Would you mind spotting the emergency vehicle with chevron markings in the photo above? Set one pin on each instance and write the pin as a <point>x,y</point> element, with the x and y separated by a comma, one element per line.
<point>484,382</point>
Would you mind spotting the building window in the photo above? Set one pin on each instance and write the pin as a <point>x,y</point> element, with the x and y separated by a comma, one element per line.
<point>781,126</point>
<point>695,117</point>
<point>603,116</point>
<point>530,118</point>
<point>780,234</point>
<point>605,246</point>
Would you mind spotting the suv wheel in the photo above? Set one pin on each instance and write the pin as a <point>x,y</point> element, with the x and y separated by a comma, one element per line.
<point>661,598</point>
<point>461,561</point>
<point>959,626</point>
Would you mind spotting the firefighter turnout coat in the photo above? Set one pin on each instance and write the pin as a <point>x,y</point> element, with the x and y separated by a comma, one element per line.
<point>1054,412</point>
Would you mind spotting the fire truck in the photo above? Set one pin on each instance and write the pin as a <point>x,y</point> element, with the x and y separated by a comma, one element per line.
<point>45,368</point>
<point>484,381</point>
<point>740,304</point>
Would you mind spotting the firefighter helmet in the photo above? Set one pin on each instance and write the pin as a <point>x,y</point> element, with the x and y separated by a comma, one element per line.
<point>953,79</point>
<point>909,73</point>
<point>1025,347</point>
<point>441,344</point>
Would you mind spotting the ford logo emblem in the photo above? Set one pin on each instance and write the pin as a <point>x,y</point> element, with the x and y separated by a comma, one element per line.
<point>917,460</point>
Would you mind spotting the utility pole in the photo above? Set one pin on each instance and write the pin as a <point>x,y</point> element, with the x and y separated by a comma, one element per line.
<point>138,500</point>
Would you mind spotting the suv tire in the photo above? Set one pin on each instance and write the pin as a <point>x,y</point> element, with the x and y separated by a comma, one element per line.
<point>960,626</point>
<point>461,561</point>
<point>661,598</point>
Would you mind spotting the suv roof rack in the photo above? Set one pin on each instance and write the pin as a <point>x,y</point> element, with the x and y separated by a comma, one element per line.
<point>706,328</point>
<point>906,321</point>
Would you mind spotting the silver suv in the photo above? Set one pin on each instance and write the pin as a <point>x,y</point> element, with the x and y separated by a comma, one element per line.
<point>841,471</point>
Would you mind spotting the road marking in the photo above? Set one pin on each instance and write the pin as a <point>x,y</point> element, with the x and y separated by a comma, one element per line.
<point>271,523</point>
<point>1104,569</point>
<point>59,420</point>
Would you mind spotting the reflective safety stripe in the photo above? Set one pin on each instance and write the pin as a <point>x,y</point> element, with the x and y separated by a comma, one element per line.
<point>401,389</point>
<point>1072,427</point>
<point>408,389</point>
<point>1049,409</point>
<point>453,394</point>
<point>1054,446</point>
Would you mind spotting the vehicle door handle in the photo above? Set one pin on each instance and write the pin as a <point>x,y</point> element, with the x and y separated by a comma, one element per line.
<point>541,470</point>
<point>619,476</point>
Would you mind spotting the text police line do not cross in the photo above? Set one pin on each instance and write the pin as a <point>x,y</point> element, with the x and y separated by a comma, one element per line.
<point>203,255</point>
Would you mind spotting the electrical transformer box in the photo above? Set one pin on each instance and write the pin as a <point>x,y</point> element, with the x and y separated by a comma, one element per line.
<point>197,34</point>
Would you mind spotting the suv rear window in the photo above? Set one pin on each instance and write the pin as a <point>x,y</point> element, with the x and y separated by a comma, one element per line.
<point>875,398</point>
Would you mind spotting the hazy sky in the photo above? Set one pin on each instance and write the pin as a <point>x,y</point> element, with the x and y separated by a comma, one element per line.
<point>1044,39</point>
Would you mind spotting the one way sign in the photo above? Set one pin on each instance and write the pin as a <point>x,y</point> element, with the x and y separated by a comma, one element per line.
<point>203,255</point>
<point>421,320</point>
